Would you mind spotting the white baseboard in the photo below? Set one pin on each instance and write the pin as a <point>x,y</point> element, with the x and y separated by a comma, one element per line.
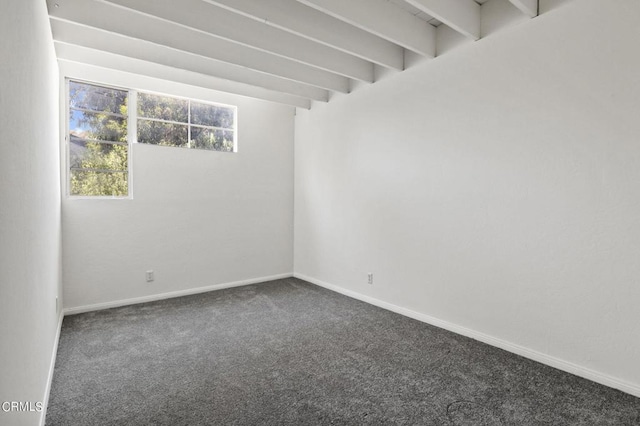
<point>169,295</point>
<point>549,360</point>
<point>52,364</point>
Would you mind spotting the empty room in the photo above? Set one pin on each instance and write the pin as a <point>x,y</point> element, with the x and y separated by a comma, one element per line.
<point>320,212</point>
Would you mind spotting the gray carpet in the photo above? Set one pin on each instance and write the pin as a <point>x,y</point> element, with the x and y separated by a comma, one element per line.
<point>290,353</point>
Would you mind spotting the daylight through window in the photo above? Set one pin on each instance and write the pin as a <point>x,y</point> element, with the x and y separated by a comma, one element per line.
<point>99,143</point>
<point>169,121</point>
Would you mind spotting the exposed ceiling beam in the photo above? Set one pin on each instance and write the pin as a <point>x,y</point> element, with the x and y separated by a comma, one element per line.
<point>92,38</point>
<point>528,7</point>
<point>384,19</point>
<point>461,15</point>
<point>84,58</point>
<point>117,20</point>
<point>219,22</point>
<point>296,18</point>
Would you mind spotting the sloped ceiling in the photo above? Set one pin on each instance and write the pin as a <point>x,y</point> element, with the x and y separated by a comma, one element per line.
<point>287,51</point>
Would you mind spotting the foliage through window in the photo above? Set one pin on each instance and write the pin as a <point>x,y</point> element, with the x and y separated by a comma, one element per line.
<point>98,146</point>
<point>99,143</point>
<point>168,121</point>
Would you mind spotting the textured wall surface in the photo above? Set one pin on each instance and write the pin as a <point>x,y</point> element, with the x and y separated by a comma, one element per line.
<point>29,206</point>
<point>495,188</point>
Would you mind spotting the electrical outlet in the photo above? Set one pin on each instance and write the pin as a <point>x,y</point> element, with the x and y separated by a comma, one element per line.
<point>150,276</point>
<point>370,278</point>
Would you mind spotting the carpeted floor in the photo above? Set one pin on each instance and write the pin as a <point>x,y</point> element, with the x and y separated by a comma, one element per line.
<point>290,353</point>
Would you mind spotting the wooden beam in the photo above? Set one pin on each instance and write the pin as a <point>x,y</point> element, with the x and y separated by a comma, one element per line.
<point>69,33</point>
<point>384,19</point>
<point>85,61</point>
<point>461,15</point>
<point>116,20</point>
<point>528,7</point>
<point>301,20</point>
<point>199,16</point>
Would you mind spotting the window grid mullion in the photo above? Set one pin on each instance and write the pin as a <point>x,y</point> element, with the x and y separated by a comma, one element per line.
<point>93,169</point>
<point>160,120</point>
<point>187,123</point>
<point>227,129</point>
<point>92,111</point>
<point>132,125</point>
<point>101,141</point>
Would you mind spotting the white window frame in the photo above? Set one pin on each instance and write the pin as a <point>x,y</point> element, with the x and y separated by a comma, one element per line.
<point>132,132</point>
<point>131,102</point>
<point>188,123</point>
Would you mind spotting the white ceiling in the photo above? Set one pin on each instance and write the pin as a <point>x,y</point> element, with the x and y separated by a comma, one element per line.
<point>287,51</point>
<point>419,13</point>
<point>416,12</point>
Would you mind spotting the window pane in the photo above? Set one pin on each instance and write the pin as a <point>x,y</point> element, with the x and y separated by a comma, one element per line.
<point>211,115</point>
<point>97,114</point>
<point>100,126</point>
<point>96,98</point>
<point>216,140</point>
<point>163,108</point>
<point>89,183</point>
<point>166,134</point>
<point>94,155</point>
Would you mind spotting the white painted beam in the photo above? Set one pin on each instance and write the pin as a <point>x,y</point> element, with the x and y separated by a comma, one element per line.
<point>70,33</point>
<point>528,7</point>
<point>384,19</point>
<point>222,23</point>
<point>77,57</point>
<point>461,15</point>
<point>114,19</point>
<point>296,18</point>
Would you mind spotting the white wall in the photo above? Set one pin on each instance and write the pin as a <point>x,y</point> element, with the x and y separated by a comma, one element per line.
<point>197,218</point>
<point>29,206</point>
<point>495,188</point>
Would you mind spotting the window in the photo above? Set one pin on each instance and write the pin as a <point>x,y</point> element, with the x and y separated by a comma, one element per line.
<point>99,144</point>
<point>168,121</point>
